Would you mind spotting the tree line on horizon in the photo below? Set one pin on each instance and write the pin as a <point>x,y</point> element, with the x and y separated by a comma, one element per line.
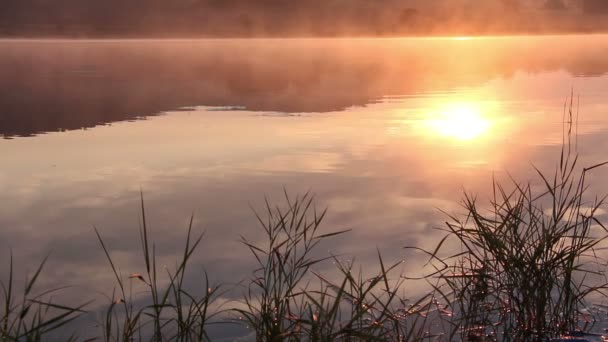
<point>245,18</point>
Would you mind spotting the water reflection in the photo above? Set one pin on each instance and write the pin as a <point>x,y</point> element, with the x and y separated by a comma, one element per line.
<point>426,132</point>
<point>463,121</point>
<point>62,85</point>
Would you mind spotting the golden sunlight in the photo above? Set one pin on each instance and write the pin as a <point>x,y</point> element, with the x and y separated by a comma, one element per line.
<point>464,38</point>
<point>460,121</point>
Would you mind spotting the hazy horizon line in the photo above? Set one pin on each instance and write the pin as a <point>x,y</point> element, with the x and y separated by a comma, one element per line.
<point>287,37</point>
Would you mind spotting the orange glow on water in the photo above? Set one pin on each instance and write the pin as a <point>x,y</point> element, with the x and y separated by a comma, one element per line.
<point>463,121</point>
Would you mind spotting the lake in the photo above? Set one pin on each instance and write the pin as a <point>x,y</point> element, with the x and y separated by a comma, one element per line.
<point>388,133</point>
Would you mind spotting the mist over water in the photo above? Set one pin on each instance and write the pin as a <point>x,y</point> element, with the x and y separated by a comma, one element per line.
<point>45,83</point>
<point>384,131</point>
<point>298,18</point>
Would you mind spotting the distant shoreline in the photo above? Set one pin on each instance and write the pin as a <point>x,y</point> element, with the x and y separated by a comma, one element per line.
<point>295,37</point>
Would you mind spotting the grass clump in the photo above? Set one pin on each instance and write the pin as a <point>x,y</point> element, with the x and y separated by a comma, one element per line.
<point>528,260</point>
<point>282,304</point>
<point>525,269</point>
<point>360,308</point>
<point>27,315</point>
<point>283,261</point>
<point>172,313</point>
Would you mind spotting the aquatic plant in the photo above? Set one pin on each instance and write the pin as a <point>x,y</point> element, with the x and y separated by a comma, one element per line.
<point>27,315</point>
<point>528,258</point>
<point>284,260</point>
<point>172,313</point>
<point>282,304</point>
<point>526,266</point>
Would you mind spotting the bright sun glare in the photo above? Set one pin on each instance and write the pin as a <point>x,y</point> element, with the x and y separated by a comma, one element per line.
<point>462,121</point>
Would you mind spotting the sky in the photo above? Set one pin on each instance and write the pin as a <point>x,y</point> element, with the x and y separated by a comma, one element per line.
<point>245,18</point>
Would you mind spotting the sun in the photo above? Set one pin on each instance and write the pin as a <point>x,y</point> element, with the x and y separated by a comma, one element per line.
<point>460,121</point>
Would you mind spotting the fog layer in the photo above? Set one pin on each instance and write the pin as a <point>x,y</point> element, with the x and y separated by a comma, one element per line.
<point>245,18</point>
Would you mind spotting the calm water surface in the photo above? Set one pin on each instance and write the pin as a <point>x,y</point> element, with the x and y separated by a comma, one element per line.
<point>386,132</point>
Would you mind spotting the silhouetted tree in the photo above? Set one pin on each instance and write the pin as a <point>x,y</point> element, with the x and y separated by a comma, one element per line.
<point>595,6</point>
<point>511,5</point>
<point>555,5</point>
<point>270,17</point>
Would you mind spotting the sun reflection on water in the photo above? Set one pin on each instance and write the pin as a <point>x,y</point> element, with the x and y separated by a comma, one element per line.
<point>463,121</point>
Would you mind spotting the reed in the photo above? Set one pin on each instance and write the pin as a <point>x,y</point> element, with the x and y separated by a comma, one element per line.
<point>281,304</point>
<point>172,313</point>
<point>361,308</point>
<point>527,264</point>
<point>27,315</point>
<point>527,258</point>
